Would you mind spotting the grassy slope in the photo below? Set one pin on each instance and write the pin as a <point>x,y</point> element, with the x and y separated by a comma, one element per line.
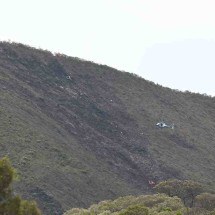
<point>54,168</point>
<point>189,148</point>
<point>91,137</point>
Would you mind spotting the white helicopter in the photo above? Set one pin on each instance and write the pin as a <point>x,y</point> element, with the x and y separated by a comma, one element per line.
<point>164,125</point>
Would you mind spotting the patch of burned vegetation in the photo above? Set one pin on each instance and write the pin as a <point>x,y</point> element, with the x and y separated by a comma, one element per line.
<point>182,142</point>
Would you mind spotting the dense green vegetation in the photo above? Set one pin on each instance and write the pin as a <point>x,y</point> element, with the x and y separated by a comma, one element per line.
<point>79,133</point>
<point>157,204</point>
<point>175,197</point>
<point>185,190</point>
<point>11,204</point>
<point>145,204</point>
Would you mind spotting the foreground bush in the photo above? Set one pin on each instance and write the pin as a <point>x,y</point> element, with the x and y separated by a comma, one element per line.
<point>186,190</point>
<point>9,203</point>
<point>158,204</point>
<point>175,197</point>
<point>135,210</point>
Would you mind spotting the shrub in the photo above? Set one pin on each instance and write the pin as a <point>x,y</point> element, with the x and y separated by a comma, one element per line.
<point>135,210</point>
<point>206,201</point>
<point>186,190</point>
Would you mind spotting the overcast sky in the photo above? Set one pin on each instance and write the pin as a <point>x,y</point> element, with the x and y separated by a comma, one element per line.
<point>170,42</point>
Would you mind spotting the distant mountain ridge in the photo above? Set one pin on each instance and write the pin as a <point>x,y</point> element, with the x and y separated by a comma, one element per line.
<point>79,132</point>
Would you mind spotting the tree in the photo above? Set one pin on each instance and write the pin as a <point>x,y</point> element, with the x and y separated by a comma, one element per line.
<point>186,190</point>
<point>9,203</point>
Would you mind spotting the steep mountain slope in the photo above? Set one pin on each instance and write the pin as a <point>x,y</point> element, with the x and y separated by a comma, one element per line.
<point>79,132</point>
